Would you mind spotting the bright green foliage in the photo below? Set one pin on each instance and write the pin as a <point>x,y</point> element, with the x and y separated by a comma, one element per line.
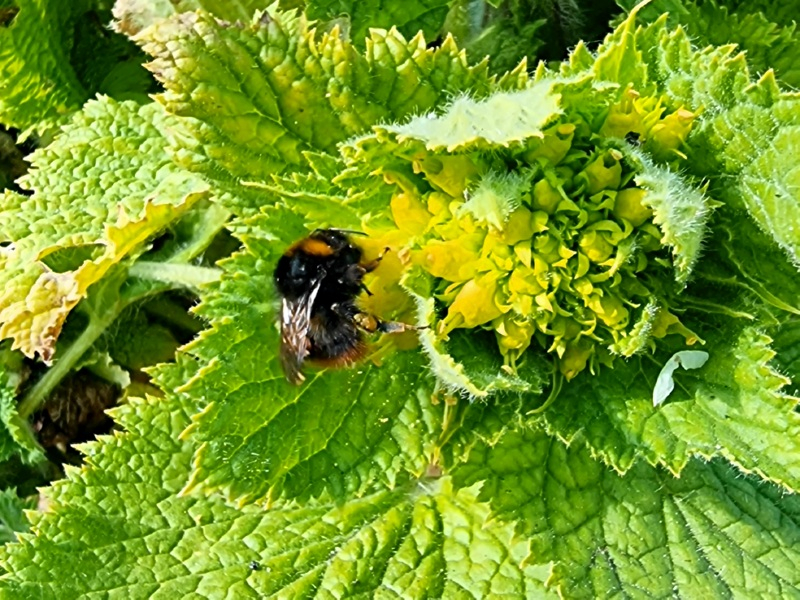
<point>709,534</point>
<point>78,206</point>
<point>257,97</point>
<point>764,30</point>
<point>12,517</point>
<point>417,539</point>
<point>38,83</point>
<point>54,55</point>
<point>16,437</point>
<point>509,31</point>
<point>731,407</point>
<point>746,139</point>
<point>384,479</point>
<point>358,17</point>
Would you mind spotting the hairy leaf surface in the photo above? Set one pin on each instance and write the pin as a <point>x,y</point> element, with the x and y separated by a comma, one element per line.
<point>764,30</point>
<point>119,525</point>
<point>101,190</point>
<point>409,17</point>
<point>711,533</point>
<point>746,138</point>
<point>257,97</point>
<point>732,407</point>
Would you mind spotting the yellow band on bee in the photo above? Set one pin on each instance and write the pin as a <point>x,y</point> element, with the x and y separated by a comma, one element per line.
<point>315,247</point>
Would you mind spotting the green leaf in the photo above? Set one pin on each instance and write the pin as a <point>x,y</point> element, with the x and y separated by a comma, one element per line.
<point>711,533</point>
<point>764,30</point>
<point>787,351</point>
<point>118,525</point>
<point>39,83</point>
<point>16,437</point>
<point>733,407</point>
<point>501,119</point>
<point>508,34</point>
<point>349,427</point>
<point>745,140</point>
<point>360,16</point>
<point>255,98</point>
<point>12,516</point>
<point>681,212</point>
<point>740,245</point>
<point>54,55</point>
<point>76,205</point>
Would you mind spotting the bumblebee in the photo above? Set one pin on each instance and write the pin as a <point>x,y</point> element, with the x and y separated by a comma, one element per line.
<point>319,279</point>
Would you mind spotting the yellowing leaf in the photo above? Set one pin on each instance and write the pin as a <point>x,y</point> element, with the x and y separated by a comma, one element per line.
<point>73,205</point>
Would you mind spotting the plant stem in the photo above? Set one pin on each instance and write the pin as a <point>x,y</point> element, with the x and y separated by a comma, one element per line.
<point>53,376</point>
<point>558,380</point>
<point>180,274</point>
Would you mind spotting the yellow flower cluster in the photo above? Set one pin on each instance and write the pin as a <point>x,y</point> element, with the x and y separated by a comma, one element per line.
<point>559,248</point>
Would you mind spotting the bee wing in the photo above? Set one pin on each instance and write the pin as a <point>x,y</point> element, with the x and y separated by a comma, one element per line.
<point>295,323</point>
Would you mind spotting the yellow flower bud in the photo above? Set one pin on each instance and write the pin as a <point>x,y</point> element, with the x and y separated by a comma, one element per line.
<point>438,204</point>
<point>605,172</point>
<point>545,197</point>
<point>513,334</point>
<point>523,281</point>
<point>575,358</point>
<point>595,247</point>
<point>409,213</point>
<point>518,227</point>
<point>554,145</point>
<point>454,260</point>
<point>666,323</point>
<point>628,205</point>
<point>474,305</point>
<point>610,310</point>
<point>451,174</point>
<point>672,131</point>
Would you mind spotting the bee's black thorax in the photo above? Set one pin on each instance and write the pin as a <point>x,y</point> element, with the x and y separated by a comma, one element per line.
<point>326,258</point>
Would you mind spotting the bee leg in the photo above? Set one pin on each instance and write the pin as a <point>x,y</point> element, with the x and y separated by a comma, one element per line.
<point>372,324</point>
<point>355,273</point>
<point>373,264</point>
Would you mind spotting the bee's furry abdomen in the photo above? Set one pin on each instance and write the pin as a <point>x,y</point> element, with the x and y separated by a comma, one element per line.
<point>334,337</point>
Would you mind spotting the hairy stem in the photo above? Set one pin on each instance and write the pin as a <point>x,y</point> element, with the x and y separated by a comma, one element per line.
<point>182,275</point>
<point>214,219</point>
<point>53,376</point>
